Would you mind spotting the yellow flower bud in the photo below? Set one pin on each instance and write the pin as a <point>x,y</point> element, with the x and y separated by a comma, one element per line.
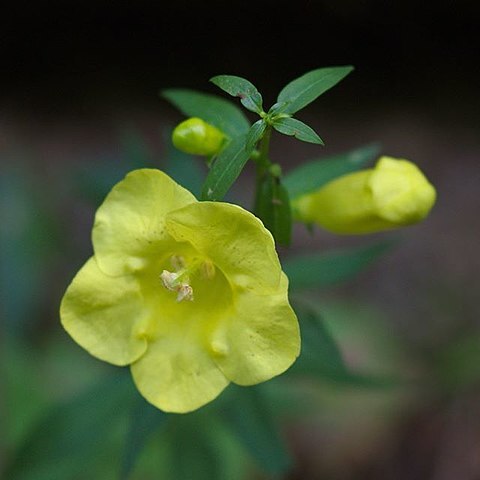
<point>392,194</point>
<point>197,137</point>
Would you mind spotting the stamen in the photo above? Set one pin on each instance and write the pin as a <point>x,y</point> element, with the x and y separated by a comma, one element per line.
<point>178,262</point>
<point>179,280</point>
<point>208,269</point>
<point>184,292</point>
<point>169,280</point>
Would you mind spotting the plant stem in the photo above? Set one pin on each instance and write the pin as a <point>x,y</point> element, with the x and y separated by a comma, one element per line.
<point>263,163</point>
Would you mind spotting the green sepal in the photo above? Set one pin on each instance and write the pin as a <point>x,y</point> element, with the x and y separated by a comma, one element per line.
<point>316,173</point>
<point>255,133</point>
<point>239,87</point>
<point>212,109</point>
<point>326,269</point>
<point>225,169</point>
<point>273,208</point>
<point>295,128</point>
<point>305,89</point>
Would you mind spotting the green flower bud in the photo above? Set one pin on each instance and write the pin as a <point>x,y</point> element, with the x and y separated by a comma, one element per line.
<point>394,193</point>
<point>197,137</point>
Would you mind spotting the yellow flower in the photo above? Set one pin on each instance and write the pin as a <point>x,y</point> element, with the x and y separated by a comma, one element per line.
<point>190,294</point>
<point>392,194</point>
<point>197,137</point>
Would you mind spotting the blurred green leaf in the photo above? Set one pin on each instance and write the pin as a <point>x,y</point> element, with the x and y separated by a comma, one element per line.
<point>321,356</point>
<point>305,89</point>
<point>325,269</point>
<point>225,169</point>
<point>312,175</point>
<point>457,364</point>
<point>28,239</point>
<point>22,400</point>
<point>72,433</point>
<point>135,149</point>
<point>320,352</point>
<point>239,87</point>
<point>249,418</point>
<point>145,419</point>
<point>94,178</point>
<point>185,169</point>
<point>255,133</point>
<point>214,110</point>
<point>199,446</point>
<point>273,208</point>
<point>295,128</point>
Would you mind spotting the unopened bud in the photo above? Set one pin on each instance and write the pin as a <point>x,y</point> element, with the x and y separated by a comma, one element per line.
<point>394,193</point>
<point>197,137</point>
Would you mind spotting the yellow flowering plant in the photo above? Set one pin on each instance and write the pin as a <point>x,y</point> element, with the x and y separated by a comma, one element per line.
<point>190,292</point>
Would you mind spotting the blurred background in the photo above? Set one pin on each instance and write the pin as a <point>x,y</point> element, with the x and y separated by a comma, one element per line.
<point>80,107</point>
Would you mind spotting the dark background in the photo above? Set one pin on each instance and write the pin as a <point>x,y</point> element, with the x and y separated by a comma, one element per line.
<point>91,56</point>
<point>75,77</point>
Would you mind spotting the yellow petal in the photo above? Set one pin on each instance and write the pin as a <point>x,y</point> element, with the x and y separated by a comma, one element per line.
<point>401,193</point>
<point>130,224</point>
<point>233,239</point>
<point>259,340</point>
<point>176,374</point>
<point>103,314</point>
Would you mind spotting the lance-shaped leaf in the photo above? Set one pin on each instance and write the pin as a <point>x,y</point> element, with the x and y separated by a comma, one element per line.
<point>295,128</point>
<point>325,269</point>
<point>305,89</point>
<point>225,169</point>
<point>72,434</point>
<point>239,87</point>
<point>320,352</point>
<point>313,175</point>
<point>214,110</point>
<point>248,415</point>
<point>322,357</point>
<point>273,208</point>
<point>255,133</point>
<point>145,419</point>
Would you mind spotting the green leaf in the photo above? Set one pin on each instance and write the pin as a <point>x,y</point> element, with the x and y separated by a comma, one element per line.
<point>295,128</point>
<point>225,169</point>
<point>249,418</point>
<point>305,89</point>
<point>145,419</point>
<point>313,175</point>
<point>199,446</point>
<point>320,353</point>
<point>29,238</point>
<point>322,357</point>
<point>325,269</point>
<point>239,87</point>
<point>255,133</point>
<point>185,169</point>
<point>66,439</point>
<point>273,208</point>
<point>214,110</point>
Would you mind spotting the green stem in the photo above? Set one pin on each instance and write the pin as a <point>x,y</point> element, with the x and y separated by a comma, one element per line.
<point>263,163</point>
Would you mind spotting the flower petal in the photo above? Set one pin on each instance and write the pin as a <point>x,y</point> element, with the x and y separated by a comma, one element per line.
<point>103,314</point>
<point>235,240</point>
<point>177,374</point>
<point>130,224</point>
<point>260,340</point>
